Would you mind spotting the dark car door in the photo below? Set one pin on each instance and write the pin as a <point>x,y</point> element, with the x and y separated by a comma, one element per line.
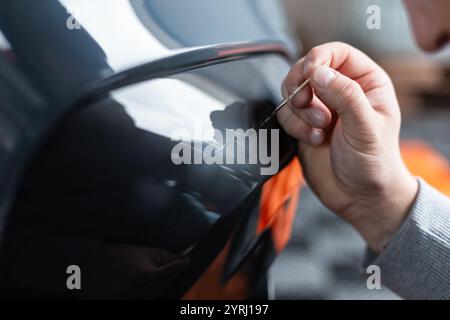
<point>101,190</point>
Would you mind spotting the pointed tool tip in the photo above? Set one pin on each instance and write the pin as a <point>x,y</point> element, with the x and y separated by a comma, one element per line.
<point>265,122</point>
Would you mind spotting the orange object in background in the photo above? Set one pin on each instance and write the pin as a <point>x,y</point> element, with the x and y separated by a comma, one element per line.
<point>278,205</point>
<point>426,162</point>
<point>209,286</point>
<point>279,202</point>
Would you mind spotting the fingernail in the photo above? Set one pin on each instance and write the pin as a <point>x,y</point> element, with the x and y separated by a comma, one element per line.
<point>317,118</point>
<point>306,67</point>
<point>316,137</point>
<point>323,76</point>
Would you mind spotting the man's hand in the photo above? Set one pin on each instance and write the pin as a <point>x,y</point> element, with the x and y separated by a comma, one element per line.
<point>347,124</point>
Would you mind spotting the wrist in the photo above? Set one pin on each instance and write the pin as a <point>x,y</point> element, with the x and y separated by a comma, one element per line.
<point>380,221</point>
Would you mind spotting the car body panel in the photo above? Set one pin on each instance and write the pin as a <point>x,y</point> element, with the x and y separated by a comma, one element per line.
<point>86,146</point>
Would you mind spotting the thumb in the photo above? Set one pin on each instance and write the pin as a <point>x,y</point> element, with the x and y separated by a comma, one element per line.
<point>346,96</point>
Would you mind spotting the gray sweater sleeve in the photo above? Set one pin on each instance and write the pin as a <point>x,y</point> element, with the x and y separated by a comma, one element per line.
<point>416,263</point>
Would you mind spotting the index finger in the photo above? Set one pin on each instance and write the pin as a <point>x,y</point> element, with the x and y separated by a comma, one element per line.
<point>292,81</point>
<point>342,57</point>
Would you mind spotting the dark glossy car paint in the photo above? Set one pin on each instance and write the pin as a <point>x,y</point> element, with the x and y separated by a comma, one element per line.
<point>85,175</point>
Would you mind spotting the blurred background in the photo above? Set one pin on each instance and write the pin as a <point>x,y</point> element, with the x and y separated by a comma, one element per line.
<point>420,79</point>
<point>323,260</point>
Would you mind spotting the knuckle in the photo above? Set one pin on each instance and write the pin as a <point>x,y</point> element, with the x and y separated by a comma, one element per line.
<point>301,130</point>
<point>350,92</point>
<point>380,78</point>
<point>298,64</point>
<point>341,44</point>
<point>303,138</point>
<point>290,82</point>
<point>301,117</point>
<point>314,54</point>
<point>301,99</point>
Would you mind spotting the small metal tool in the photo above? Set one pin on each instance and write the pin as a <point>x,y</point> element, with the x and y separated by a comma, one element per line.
<point>285,102</point>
